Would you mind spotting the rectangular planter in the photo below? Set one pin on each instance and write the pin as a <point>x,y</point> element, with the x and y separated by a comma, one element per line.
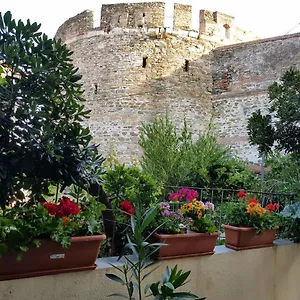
<point>52,258</point>
<point>241,238</point>
<point>186,245</point>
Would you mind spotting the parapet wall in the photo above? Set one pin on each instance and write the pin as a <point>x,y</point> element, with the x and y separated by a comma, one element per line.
<point>132,15</point>
<point>241,76</point>
<point>214,26</point>
<point>182,17</point>
<point>258,274</point>
<point>76,25</point>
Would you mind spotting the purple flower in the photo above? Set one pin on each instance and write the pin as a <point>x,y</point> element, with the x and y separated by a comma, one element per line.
<point>166,213</point>
<point>209,206</point>
<point>164,205</point>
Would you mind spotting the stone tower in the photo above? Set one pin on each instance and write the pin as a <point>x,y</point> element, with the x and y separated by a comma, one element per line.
<point>134,67</point>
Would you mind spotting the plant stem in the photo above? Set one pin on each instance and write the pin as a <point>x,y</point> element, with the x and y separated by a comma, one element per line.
<point>57,190</point>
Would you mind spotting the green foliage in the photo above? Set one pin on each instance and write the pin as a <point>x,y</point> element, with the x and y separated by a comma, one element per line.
<point>121,182</point>
<point>174,159</point>
<point>291,214</point>
<point>164,289</point>
<point>284,175</point>
<point>22,226</point>
<point>42,139</point>
<point>261,132</point>
<point>138,267</point>
<point>284,131</point>
<point>203,225</point>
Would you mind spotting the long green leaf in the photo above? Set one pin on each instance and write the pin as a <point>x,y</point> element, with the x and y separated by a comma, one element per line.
<point>181,279</point>
<point>117,295</point>
<point>115,278</point>
<point>183,295</point>
<point>149,217</point>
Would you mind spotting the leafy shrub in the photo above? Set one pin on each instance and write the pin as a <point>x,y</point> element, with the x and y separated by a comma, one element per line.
<point>130,184</point>
<point>42,139</point>
<point>284,175</point>
<point>174,159</point>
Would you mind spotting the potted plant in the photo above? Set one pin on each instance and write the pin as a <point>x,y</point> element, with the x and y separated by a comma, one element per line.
<point>192,225</point>
<point>249,225</point>
<point>47,238</point>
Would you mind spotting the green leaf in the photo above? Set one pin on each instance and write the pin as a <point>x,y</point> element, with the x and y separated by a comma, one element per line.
<point>114,278</point>
<point>181,279</point>
<point>117,295</point>
<point>183,295</point>
<point>169,285</point>
<point>149,217</point>
<point>133,224</point>
<point>154,288</point>
<point>166,275</point>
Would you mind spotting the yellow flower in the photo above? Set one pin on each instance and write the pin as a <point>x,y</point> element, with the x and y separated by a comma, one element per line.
<point>255,209</point>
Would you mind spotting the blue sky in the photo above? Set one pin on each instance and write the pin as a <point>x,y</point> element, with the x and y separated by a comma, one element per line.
<point>263,17</point>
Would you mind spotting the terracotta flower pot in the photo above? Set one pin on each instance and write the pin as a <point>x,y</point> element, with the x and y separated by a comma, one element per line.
<point>52,258</point>
<point>186,245</point>
<point>241,238</point>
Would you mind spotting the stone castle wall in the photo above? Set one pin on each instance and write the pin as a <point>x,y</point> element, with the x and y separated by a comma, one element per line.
<point>132,74</point>
<point>130,78</point>
<point>241,76</point>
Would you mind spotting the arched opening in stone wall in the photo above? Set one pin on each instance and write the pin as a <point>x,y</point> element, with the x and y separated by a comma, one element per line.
<point>145,61</point>
<point>227,31</point>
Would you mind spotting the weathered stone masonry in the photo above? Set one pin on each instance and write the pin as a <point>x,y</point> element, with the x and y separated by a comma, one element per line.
<point>241,76</point>
<point>133,70</point>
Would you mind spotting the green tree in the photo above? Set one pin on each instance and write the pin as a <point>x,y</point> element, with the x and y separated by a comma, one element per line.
<point>284,130</point>
<point>42,139</point>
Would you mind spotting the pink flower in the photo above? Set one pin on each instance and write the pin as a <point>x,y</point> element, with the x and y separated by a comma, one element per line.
<point>209,206</point>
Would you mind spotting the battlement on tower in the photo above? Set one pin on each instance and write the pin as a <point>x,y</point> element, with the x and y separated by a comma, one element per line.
<point>156,16</point>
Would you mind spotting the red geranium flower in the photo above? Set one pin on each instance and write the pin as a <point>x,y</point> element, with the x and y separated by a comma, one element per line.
<point>65,208</point>
<point>51,208</point>
<point>272,207</point>
<point>242,194</point>
<point>127,207</point>
<point>254,201</point>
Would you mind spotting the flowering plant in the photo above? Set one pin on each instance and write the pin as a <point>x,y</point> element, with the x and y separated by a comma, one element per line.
<point>24,224</point>
<point>199,216</point>
<point>167,221</point>
<point>250,213</point>
<point>127,207</point>
<point>184,195</point>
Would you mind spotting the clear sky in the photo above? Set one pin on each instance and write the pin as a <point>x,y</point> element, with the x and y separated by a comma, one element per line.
<point>263,17</point>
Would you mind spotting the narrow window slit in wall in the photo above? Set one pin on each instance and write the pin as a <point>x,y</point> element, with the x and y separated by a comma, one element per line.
<point>227,31</point>
<point>187,65</point>
<point>95,88</point>
<point>145,61</point>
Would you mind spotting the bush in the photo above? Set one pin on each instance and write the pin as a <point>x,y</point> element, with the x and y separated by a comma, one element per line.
<point>284,176</point>
<point>131,184</point>
<point>174,159</point>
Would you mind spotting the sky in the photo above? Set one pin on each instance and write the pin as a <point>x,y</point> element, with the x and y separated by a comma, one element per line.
<point>264,18</point>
